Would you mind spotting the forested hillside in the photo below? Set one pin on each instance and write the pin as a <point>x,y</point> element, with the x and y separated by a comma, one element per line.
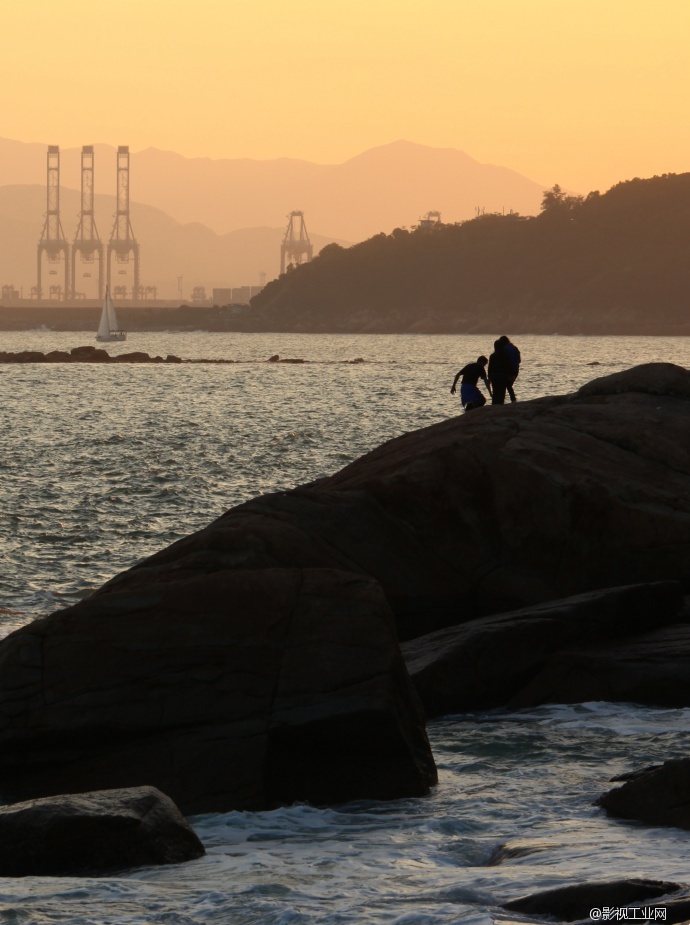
<point>617,262</point>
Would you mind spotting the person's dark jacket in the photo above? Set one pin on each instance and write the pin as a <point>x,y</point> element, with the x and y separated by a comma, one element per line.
<point>499,368</point>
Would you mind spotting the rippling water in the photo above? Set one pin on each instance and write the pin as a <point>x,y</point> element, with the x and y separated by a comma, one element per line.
<point>101,466</point>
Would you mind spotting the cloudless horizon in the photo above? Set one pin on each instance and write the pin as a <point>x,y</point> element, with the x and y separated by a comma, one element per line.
<point>580,93</point>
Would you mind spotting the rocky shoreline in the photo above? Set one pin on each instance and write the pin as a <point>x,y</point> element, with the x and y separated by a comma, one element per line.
<point>90,354</point>
<point>85,355</point>
<point>293,649</point>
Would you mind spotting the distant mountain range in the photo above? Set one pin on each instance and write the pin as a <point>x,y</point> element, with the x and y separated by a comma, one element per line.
<point>220,222</point>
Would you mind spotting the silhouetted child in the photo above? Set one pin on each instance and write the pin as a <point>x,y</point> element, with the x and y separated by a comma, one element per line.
<point>470,396</point>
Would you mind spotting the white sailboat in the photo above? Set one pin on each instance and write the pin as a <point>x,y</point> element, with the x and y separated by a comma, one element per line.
<point>109,329</point>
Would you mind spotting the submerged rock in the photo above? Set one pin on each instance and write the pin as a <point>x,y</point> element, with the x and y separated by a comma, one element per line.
<point>570,903</point>
<point>23,356</point>
<point>137,356</point>
<point>93,833</point>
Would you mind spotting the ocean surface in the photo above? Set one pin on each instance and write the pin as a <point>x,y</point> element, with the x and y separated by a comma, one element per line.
<point>101,466</point>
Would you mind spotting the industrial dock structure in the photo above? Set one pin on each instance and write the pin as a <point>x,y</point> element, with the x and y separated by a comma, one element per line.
<point>78,272</point>
<point>86,253</point>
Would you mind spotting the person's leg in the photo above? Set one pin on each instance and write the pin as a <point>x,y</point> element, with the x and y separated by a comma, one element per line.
<point>498,387</point>
<point>511,392</point>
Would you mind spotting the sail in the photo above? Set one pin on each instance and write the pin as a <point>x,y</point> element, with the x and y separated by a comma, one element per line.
<point>109,329</point>
<point>112,317</point>
<point>104,326</point>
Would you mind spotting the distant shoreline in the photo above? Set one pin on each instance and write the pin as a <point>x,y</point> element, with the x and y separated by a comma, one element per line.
<point>243,319</point>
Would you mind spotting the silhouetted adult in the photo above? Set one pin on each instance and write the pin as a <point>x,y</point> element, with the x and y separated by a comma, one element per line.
<point>470,396</point>
<point>513,359</point>
<point>499,374</point>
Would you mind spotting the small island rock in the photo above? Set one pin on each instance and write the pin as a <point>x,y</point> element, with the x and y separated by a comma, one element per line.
<point>92,833</point>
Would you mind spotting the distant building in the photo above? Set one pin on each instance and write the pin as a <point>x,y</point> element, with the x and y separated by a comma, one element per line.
<point>240,295</point>
<point>222,296</point>
<point>430,221</point>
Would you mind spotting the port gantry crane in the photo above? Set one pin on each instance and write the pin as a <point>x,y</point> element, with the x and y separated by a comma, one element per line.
<point>296,245</point>
<point>122,242</point>
<point>87,243</point>
<point>53,242</point>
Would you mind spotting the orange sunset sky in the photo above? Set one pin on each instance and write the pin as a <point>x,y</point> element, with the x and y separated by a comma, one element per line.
<point>578,92</point>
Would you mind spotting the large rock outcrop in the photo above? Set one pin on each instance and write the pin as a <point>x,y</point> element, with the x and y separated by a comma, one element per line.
<point>492,511</point>
<point>94,833</point>
<point>256,661</point>
<point>224,690</point>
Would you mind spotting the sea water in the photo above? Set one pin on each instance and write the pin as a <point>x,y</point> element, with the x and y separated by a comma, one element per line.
<point>103,465</point>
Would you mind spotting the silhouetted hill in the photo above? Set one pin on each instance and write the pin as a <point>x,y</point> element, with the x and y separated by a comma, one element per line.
<point>612,263</point>
<point>382,188</point>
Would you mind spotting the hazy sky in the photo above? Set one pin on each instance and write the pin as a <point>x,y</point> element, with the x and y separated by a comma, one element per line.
<point>579,92</point>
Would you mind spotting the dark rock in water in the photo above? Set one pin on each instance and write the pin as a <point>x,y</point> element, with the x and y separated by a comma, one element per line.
<point>276,358</point>
<point>224,689</point>
<point>656,796</point>
<point>89,353</point>
<point>629,775</point>
<point>137,356</point>
<point>676,909</point>
<point>92,833</point>
<point>24,356</point>
<point>570,903</point>
<point>488,662</point>
<point>509,851</point>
